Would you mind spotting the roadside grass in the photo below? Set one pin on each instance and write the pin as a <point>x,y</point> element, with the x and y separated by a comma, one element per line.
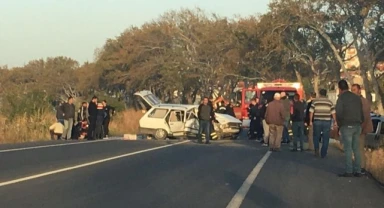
<point>35,128</point>
<point>25,129</point>
<point>374,161</point>
<point>125,122</point>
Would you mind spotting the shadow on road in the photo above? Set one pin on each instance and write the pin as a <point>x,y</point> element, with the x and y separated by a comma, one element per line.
<point>333,163</point>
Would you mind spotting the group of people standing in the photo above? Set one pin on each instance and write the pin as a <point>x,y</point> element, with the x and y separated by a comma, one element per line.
<point>92,119</point>
<point>350,117</point>
<point>259,129</point>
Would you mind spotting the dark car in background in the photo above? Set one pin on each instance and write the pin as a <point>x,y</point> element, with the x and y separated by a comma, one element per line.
<point>375,139</point>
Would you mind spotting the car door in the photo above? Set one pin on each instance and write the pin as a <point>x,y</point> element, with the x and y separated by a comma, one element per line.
<point>191,123</point>
<point>176,121</point>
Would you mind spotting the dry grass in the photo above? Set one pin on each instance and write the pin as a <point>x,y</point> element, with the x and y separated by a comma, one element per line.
<point>374,162</point>
<point>126,122</point>
<point>27,129</point>
<point>23,128</point>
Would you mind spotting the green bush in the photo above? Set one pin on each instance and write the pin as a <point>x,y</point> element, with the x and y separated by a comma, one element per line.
<point>28,104</point>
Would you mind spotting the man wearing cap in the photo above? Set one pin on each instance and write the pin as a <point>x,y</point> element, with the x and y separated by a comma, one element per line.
<point>275,117</point>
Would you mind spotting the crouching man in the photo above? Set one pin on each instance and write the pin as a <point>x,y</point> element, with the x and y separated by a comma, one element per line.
<point>57,130</point>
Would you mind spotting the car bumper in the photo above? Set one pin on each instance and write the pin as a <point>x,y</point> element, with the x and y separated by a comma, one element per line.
<point>230,131</point>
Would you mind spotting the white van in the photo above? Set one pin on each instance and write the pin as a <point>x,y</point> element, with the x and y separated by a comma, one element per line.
<point>176,120</point>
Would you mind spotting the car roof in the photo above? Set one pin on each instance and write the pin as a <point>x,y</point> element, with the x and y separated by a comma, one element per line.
<point>176,106</point>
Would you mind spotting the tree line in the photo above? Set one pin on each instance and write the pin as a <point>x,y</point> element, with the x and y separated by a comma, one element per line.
<point>190,50</point>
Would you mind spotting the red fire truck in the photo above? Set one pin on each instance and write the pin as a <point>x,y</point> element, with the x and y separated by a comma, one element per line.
<point>263,90</point>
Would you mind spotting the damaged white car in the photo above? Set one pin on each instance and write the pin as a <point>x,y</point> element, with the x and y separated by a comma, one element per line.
<point>178,121</point>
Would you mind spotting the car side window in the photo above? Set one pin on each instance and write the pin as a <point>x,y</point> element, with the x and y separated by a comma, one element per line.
<point>190,115</point>
<point>375,123</point>
<point>382,128</point>
<point>158,113</point>
<point>176,116</point>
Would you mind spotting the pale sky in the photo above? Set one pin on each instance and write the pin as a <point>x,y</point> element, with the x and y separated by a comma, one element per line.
<point>33,29</point>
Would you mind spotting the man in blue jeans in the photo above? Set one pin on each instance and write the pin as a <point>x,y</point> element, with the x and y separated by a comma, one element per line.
<point>297,118</point>
<point>206,116</point>
<point>321,113</point>
<point>287,110</point>
<point>349,115</point>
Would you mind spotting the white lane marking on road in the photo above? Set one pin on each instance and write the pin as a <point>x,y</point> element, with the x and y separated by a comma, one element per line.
<point>55,145</point>
<point>86,164</point>
<point>238,198</point>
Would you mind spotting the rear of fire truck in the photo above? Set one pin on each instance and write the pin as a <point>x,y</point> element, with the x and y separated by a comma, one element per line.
<point>264,91</point>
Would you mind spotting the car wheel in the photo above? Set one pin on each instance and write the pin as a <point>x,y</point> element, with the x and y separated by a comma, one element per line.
<point>160,134</point>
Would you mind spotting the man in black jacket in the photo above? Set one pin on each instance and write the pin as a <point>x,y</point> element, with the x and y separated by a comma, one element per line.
<point>263,110</point>
<point>307,122</point>
<point>69,116</point>
<point>252,114</point>
<point>297,119</point>
<point>92,112</point>
<point>99,130</point>
<point>206,116</point>
<point>349,117</point>
<point>109,111</point>
<point>229,110</point>
<point>60,112</point>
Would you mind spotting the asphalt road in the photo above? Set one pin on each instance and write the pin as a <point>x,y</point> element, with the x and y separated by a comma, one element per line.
<point>184,175</point>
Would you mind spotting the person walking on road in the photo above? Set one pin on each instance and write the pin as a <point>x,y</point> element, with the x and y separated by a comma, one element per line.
<point>350,116</point>
<point>298,123</point>
<point>322,111</point>
<point>307,122</point>
<point>206,116</point>
<point>69,116</point>
<point>275,117</point>
<point>287,113</point>
<point>264,123</point>
<point>366,127</point>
